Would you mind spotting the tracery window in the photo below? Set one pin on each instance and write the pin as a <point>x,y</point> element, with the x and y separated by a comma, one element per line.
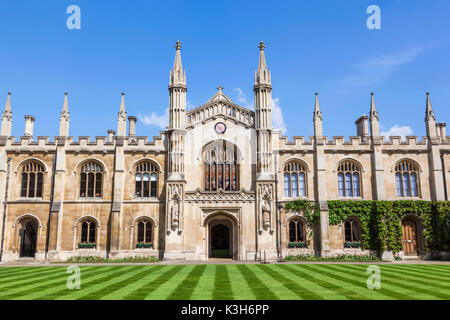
<point>294,179</point>
<point>88,231</point>
<point>91,176</point>
<point>145,229</point>
<point>297,231</point>
<point>32,180</point>
<point>146,180</point>
<point>221,167</point>
<point>352,230</point>
<point>349,179</point>
<point>406,179</point>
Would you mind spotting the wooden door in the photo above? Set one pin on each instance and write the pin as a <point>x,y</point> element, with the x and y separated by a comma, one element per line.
<point>409,228</point>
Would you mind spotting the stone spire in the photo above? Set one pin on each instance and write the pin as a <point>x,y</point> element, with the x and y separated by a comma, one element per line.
<point>122,119</point>
<point>430,119</point>
<point>64,118</point>
<point>262,76</point>
<point>373,118</point>
<point>177,75</point>
<point>373,108</point>
<point>7,117</point>
<point>429,113</point>
<point>317,118</point>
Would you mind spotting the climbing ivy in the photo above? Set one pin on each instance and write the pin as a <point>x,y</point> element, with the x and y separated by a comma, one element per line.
<point>310,209</point>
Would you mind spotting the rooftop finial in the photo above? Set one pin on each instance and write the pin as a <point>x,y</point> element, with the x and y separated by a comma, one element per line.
<point>220,88</point>
<point>373,108</point>
<point>178,45</point>
<point>261,45</point>
<point>429,113</point>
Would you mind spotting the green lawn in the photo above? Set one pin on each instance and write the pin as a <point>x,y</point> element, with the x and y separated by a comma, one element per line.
<point>239,281</point>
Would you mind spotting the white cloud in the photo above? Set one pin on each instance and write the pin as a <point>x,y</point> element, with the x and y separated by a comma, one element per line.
<point>242,99</point>
<point>374,70</point>
<point>155,120</point>
<point>190,106</point>
<point>277,116</point>
<point>398,131</point>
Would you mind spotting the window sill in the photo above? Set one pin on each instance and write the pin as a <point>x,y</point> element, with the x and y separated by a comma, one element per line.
<point>350,198</point>
<point>407,198</point>
<point>89,198</point>
<point>294,198</point>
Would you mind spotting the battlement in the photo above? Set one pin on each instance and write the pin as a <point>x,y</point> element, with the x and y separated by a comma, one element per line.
<point>85,142</point>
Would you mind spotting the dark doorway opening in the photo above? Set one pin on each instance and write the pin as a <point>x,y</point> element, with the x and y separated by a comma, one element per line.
<point>220,242</point>
<point>28,239</point>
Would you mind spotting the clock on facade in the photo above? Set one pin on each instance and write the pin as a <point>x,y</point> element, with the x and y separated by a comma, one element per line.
<point>220,127</point>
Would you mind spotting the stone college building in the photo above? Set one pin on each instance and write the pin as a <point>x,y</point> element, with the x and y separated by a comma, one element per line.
<point>214,184</point>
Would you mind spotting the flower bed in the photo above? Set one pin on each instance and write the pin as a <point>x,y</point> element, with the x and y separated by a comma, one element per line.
<point>338,258</point>
<point>92,259</point>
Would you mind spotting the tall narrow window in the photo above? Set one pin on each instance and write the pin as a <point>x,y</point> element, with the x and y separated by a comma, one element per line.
<point>32,180</point>
<point>294,179</point>
<point>88,232</point>
<point>91,177</point>
<point>352,232</point>
<point>221,167</point>
<point>146,180</point>
<point>406,179</point>
<point>349,182</point>
<point>145,229</point>
<point>297,231</point>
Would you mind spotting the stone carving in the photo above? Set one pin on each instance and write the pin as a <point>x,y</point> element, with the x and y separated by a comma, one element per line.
<point>220,196</point>
<point>175,207</point>
<point>266,206</point>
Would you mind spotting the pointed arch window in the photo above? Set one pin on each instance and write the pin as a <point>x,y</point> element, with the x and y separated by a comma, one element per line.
<point>406,179</point>
<point>297,230</point>
<point>144,234</point>
<point>221,167</point>
<point>352,230</point>
<point>88,234</point>
<point>91,178</point>
<point>146,180</point>
<point>349,179</point>
<point>32,180</point>
<point>294,174</point>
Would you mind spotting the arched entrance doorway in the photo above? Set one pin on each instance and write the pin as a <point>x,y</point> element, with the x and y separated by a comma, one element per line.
<point>220,242</point>
<point>410,243</point>
<point>221,236</point>
<point>28,238</point>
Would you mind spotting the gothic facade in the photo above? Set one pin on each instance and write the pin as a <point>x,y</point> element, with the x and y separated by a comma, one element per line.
<point>212,185</point>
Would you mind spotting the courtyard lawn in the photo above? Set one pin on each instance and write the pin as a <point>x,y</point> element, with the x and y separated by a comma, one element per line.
<point>231,281</point>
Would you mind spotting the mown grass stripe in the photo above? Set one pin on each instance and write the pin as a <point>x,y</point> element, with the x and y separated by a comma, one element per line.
<point>338,282</point>
<point>23,277</point>
<point>443,269</point>
<point>427,274</point>
<point>239,287</point>
<point>115,283</point>
<point>89,284</point>
<point>205,285</point>
<point>49,284</point>
<point>260,290</point>
<point>386,288</point>
<point>222,284</point>
<point>295,287</point>
<point>31,281</point>
<point>123,291</point>
<point>414,292</point>
<point>411,276</point>
<point>153,284</point>
<point>382,294</point>
<point>434,273</point>
<point>163,292</point>
<point>186,288</point>
<point>313,284</point>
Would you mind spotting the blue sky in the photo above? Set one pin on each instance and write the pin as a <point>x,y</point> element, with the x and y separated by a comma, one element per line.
<point>127,46</point>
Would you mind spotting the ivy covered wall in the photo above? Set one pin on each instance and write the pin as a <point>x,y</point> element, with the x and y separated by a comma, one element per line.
<point>381,228</point>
